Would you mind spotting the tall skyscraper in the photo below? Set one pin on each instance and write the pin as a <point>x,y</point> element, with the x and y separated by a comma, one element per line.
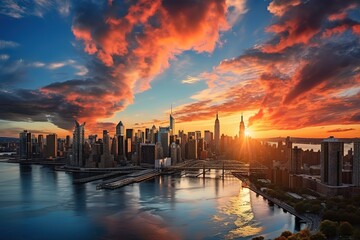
<point>120,135</point>
<point>25,148</point>
<point>172,123</point>
<point>51,145</point>
<point>164,139</point>
<point>217,134</point>
<point>242,128</point>
<point>107,160</point>
<point>78,145</point>
<point>331,160</point>
<point>356,164</point>
<point>41,144</point>
<point>295,161</point>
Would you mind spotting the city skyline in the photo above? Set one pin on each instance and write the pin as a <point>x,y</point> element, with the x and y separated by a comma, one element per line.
<point>289,72</point>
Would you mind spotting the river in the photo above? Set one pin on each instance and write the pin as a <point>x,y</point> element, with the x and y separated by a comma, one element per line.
<point>39,203</point>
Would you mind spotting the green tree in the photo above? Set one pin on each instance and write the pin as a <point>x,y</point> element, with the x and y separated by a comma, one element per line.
<point>329,228</point>
<point>318,236</point>
<point>300,207</point>
<point>345,229</point>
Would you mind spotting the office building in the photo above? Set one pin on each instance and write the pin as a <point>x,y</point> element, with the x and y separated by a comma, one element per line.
<point>164,139</point>
<point>78,145</point>
<point>295,162</point>
<point>217,134</point>
<point>25,145</point>
<point>242,129</point>
<point>331,160</point>
<point>120,135</point>
<point>356,164</point>
<point>51,146</point>
<point>172,123</point>
<point>148,153</point>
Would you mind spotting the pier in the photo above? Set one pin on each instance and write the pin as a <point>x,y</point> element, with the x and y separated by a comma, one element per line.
<point>129,179</point>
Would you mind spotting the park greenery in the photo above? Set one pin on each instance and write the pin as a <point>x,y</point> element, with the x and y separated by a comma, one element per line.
<point>328,230</point>
<point>340,216</point>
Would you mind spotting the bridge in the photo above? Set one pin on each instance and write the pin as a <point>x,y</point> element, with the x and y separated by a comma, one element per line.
<point>232,165</point>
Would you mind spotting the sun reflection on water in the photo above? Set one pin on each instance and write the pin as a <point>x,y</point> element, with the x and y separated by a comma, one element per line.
<point>238,210</point>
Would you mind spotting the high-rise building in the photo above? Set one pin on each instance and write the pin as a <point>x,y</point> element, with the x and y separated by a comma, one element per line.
<point>172,123</point>
<point>173,153</point>
<point>331,160</point>
<point>147,153</point>
<point>120,135</point>
<point>217,134</point>
<point>356,164</point>
<point>295,162</point>
<point>164,139</point>
<point>152,138</point>
<point>78,145</point>
<point>107,160</point>
<point>51,146</point>
<point>25,145</point>
<point>197,135</point>
<point>41,144</point>
<point>207,137</point>
<point>192,149</point>
<point>242,129</point>
<point>159,151</point>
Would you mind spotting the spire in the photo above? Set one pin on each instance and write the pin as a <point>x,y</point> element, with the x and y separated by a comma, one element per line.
<point>217,114</point>
<point>242,117</point>
<point>171,109</point>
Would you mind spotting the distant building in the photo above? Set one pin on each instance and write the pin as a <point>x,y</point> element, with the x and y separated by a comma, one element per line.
<point>217,134</point>
<point>25,145</point>
<point>41,144</point>
<point>192,149</point>
<point>51,146</point>
<point>147,153</point>
<point>295,161</point>
<point>172,124</point>
<point>331,159</point>
<point>107,160</point>
<point>242,129</point>
<point>78,145</point>
<point>356,164</point>
<point>120,135</point>
<point>164,139</point>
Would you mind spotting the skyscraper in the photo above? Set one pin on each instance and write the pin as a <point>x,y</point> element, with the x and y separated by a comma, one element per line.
<point>217,134</point>
<point>242,128</point>
<point>78,145</point>
<point>356,164</point>
<point>331,160</point>
<point>120,134</point>
<point>172,123</point>
<point>25,149</point>
<point>295,161</point>
<point>51,145</point>
<point>164,139</point>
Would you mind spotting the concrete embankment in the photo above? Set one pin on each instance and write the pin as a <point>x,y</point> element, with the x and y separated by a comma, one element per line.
<point>310,222</point>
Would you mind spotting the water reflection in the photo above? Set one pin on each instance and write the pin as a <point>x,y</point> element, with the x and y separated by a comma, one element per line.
<point>42,203</point>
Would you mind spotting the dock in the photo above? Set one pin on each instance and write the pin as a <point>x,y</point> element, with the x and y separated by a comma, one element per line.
<point>129,179</point>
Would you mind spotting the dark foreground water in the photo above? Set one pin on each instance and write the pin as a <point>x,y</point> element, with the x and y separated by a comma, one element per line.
<point>39,203</point>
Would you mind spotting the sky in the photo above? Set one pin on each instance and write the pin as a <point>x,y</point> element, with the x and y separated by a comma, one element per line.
<point>291,67</point>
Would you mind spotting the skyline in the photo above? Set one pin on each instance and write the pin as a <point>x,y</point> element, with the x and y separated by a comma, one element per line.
<point>292,69</point>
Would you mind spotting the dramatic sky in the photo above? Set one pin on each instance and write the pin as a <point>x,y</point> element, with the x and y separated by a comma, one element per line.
<point>292,67</point>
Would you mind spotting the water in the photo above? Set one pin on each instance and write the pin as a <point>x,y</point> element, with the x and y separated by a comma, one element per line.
<point>39,203</point>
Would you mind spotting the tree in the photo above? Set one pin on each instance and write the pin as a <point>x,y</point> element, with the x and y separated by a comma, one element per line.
<point>258,238</point>
<point>345,229</point>
<point>286,234</point>
<point>329,228</point>
<point>318,236</point>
